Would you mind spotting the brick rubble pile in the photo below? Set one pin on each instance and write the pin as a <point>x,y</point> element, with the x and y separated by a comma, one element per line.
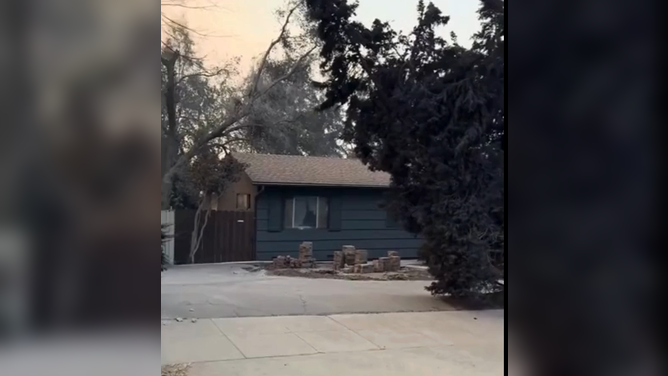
<point>304,260</point>
<point>351,260</point>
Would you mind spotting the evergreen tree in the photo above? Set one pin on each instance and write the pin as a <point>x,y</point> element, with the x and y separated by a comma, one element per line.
<point>430,113</point>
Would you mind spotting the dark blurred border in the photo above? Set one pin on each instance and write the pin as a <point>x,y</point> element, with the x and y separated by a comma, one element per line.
<point>584,195</point>
<point>79,167</point>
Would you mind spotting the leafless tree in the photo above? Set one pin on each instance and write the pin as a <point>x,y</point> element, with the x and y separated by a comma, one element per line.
<point>229,127</point>
<point>169,22</point>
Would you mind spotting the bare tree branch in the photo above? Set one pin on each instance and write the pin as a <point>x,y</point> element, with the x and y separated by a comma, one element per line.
<point>229,141</point>
<point>203,73</point>
<point>184,6</point>
<point>227,126</point>
<point>170,21</point>
<point>273,44</point>
<point>212,4</point>
<point>287,75</point>
<point>230,124</point>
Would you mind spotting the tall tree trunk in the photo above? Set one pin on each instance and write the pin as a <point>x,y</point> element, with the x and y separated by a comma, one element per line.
<point>171,141</point>
<point>198,232</point>
<point>169,157</point>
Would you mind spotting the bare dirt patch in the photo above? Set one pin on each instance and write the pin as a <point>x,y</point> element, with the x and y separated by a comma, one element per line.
<point>404,274</point>
<point>175,370</point>
<point>482,302</point>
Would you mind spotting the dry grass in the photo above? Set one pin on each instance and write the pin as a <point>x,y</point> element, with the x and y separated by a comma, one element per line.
<point>175,370</point>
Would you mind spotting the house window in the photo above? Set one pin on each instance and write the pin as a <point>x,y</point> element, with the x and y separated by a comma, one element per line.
<point>305,212</point>
<point>243,201</point>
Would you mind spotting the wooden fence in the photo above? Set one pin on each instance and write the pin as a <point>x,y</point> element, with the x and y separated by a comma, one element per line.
<point>167,218</point>
<point>228,236</point>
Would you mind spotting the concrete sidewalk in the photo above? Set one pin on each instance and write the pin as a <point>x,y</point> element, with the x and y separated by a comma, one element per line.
<point>458,343</point>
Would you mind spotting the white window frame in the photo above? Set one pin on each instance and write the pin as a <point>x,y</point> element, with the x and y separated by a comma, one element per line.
<point>247,197</point>
<point>317,212</point>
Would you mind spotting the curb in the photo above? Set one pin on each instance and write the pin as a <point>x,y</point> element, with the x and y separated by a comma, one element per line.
<point>226,263</point>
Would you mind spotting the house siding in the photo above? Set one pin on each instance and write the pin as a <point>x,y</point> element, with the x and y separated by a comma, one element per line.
<point>362,224</point>
<point>227,201</point>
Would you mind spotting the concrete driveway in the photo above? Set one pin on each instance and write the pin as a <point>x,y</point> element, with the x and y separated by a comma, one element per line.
<point>220,291</point>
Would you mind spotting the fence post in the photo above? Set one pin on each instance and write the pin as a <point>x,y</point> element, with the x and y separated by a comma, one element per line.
<point>167,218</point>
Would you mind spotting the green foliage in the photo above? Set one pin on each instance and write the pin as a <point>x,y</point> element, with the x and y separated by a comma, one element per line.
<point>430,113</point>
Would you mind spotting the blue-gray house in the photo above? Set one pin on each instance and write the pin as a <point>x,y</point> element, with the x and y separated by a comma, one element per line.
<point>331,202</point>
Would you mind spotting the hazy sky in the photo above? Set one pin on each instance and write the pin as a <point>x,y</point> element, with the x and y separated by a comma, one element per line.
<point>244,28</point>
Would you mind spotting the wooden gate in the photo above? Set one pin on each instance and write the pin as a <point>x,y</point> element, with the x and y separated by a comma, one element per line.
<point>228,236</point>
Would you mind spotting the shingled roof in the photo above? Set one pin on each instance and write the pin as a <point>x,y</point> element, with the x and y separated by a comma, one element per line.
<point>319,171</point>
